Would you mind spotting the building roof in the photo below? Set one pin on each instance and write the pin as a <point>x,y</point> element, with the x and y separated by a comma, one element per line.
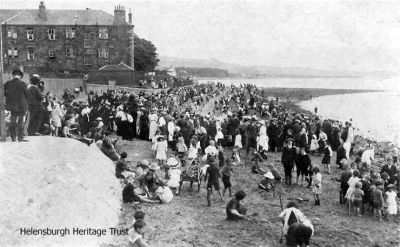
<point>56,17</point>
<point>116,67</point>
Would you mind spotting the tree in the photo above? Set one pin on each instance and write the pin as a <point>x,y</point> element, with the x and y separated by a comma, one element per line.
<point>145,55</point>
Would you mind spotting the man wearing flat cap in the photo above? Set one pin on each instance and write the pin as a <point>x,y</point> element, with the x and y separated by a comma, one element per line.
<point>17,95</point>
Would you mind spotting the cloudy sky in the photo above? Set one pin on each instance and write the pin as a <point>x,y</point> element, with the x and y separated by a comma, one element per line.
<point>333,35</point>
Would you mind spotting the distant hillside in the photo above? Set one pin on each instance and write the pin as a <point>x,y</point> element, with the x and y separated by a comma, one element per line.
<point>236,70</point>
<point>201,72</point>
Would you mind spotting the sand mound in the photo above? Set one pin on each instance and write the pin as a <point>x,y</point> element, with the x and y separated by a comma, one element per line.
<point>56,183</point>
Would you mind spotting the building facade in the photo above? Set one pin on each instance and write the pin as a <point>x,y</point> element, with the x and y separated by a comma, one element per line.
<point>65,42</point>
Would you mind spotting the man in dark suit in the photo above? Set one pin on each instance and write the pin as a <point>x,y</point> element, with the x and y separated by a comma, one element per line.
<point>35,106</point>
<point>17,95</point>
<point>391,170</point>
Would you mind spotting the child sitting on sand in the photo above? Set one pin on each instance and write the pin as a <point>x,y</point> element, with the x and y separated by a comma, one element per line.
<point>267,183</point>
<point>135,234</point>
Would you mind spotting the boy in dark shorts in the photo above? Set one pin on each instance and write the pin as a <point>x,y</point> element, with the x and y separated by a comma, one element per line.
<point>378,201</point>
<point>358,194</point>
<point>226,176</point>
<point>234,211</point>
<point>213,176</point>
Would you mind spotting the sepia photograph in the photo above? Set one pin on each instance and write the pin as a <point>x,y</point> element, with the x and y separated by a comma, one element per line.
<point>199,123</point>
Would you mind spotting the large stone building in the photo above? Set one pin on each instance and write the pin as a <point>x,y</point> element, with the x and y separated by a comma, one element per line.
<point>65,42</point>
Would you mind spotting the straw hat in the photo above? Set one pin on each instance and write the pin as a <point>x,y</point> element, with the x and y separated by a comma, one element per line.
<point>390,186</point>
<point>154,167</point>
<point>172,162</point>
<point>269,175</point>
<point>144,163</point>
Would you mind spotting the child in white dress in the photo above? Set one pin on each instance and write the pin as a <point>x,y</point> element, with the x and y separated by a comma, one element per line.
<point>174,174</point>
<point>161,148</point>
<point>391,201</point>
<point>238,139</point>
<point>314,144</point>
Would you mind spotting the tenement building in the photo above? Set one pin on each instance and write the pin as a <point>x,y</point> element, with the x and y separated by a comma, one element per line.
<point>55,42</point>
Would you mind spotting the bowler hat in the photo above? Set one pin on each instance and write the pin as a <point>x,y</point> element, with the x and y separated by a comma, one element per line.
<point>18,72</point>
<point>124,155</point>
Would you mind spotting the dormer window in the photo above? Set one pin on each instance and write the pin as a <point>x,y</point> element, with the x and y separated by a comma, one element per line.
<point>103,33</point>
<point>51,33</point>
<point>29,34</point>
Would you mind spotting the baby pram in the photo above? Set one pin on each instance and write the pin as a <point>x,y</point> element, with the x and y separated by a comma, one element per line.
<point>191,173</point>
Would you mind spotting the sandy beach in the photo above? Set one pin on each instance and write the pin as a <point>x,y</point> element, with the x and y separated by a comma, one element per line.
<point>188,222</point>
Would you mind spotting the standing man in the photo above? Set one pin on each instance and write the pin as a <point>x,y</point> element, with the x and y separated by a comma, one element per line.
<point>35,106</point>
<point>16,94</point>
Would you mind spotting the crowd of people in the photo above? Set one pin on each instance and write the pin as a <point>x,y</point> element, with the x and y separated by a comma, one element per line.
<point>245,127</point>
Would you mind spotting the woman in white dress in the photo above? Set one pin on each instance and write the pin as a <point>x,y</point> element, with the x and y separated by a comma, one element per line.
<point>262,139</point>
<point>153,124</point>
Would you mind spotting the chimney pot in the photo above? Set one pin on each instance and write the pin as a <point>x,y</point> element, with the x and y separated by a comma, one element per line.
<point>130,16</point>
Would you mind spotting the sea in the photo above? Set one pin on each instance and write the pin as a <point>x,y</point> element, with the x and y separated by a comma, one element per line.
<point>375,115</point>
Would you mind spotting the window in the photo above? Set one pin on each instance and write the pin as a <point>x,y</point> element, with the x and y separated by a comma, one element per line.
<point>12,52</point>
<point>52,53</point>
<point>103,33</point>
<point>103,53</point>
<point>69,52</point>
<point>87,40</point>
<point>87,61</point>
<point>12,33</point>
<point>29,33</point>
<point>51,33</point>
<point>31,53</point>
<point>70,32</point>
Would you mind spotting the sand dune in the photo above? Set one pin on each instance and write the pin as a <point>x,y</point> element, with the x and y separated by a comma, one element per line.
<point>56,183</point>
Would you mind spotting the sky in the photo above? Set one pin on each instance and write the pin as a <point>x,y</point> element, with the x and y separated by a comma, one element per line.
<point>325,34</point>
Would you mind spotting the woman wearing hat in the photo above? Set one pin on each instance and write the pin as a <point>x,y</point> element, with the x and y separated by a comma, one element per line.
<point>153,123</point>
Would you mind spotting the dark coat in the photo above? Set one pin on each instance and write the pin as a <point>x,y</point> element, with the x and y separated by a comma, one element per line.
<point>392,172</point>
<point>17,95</point>
<point>35,99</point>
<point>288,155</point>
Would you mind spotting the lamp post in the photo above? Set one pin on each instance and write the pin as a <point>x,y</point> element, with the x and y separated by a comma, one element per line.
<point>2,97</point>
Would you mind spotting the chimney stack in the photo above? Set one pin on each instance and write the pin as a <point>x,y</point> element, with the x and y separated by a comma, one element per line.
<point>42,10</point>
<point>119,15</point>
<point>130,17</point>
